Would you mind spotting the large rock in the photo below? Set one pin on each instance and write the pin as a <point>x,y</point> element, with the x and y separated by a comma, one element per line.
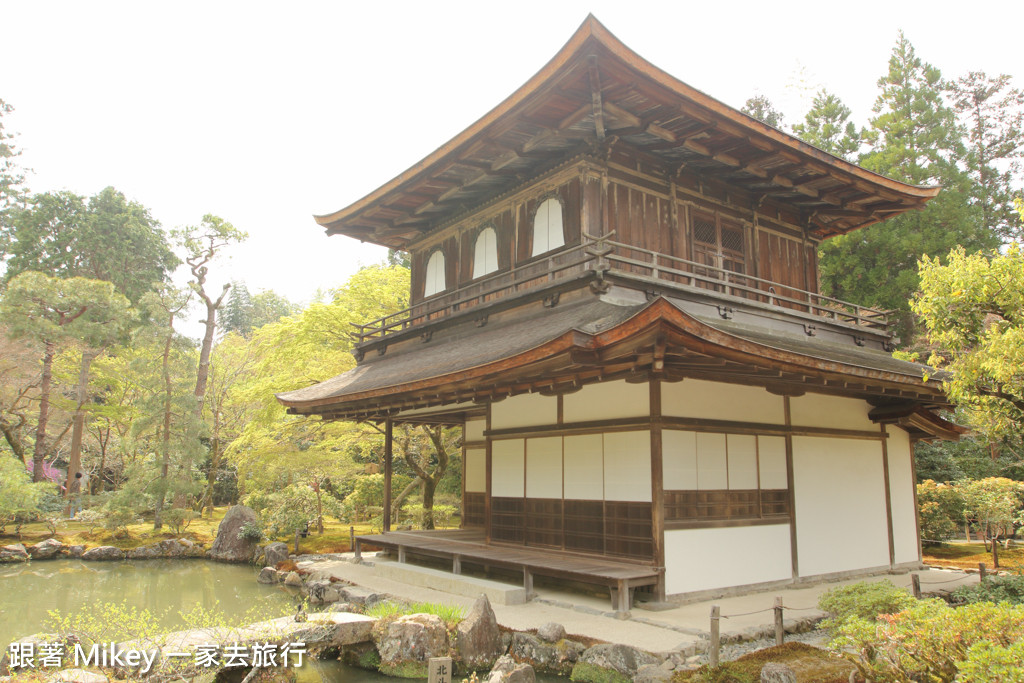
<point>611,663</point>
<point>508,670</point>
<point>408,642</point>
<point>180,547</point>
<point>293,579</point>
<point>76,550</point>
<point>44,550</point>
<point>145,552</point>
<point>13,553</point>
<point>557,658</point>
<point>273,553</point>
<point>322,592</point>
<point>103,552</point>
<point>361,596</point>
<point>78,676</point>
<point>228,547</point>
<point>267,575</point>
<point>776,672</point>
<point>479,638</point>
<point>551,632</point>
<point>652,673</point>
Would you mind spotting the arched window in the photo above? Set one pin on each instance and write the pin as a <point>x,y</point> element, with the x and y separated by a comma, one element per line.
<point>435,281</point>
<point>547,227</point>
<point>485,253</point>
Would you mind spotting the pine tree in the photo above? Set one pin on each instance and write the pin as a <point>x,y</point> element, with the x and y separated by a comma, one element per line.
<point>237,314</point>
<point>762,109</point>
<point>993,113</point>
<point>827,126</point>
<point>914,137</point>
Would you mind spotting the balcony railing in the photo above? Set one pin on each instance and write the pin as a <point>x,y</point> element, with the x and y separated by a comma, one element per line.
<point>605,256</point>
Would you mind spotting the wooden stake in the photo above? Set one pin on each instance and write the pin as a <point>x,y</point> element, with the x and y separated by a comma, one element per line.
<point>915,580</point>
<point>780,631</point>
<point>713,651</point>
<point>982,572</point>
<point>351,537</point>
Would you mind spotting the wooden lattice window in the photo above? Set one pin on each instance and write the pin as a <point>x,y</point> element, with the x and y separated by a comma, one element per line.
<point>719,243</point>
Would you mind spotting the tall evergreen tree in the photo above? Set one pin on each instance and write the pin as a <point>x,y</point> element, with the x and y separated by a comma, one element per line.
<point>762,109</point>
<point>12,176</point>
<point>914,137</point>
<point>827,126</point>
<point>237,314</point>
<point>993,113</point>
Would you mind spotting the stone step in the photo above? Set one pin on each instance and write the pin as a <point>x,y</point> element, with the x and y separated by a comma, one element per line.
<point>456,584</point>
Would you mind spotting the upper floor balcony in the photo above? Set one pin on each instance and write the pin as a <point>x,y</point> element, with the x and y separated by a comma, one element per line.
<point>604,258</point>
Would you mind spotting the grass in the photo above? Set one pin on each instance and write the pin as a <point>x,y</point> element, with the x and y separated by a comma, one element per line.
<point>201,530</point>
<point>810,664</point>
<point>449,614</point>
<point>968,555</point>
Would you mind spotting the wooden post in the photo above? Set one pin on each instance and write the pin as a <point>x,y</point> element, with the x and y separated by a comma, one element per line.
<point>915,581</point>
<point>388,446</point>
<point>982,571</point>
<point>358,552</point>
<point>528,582</point>
<point>351,537</point>
<point>780,631</point>
<point>995,553</point>
<point>456,564</point>
<point>713,649</point>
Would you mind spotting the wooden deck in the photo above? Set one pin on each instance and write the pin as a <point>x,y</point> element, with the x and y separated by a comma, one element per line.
<point>460,546</point>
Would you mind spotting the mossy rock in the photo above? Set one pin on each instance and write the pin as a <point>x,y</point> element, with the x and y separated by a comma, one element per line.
<point>590,673</point>
<point>405,670</point>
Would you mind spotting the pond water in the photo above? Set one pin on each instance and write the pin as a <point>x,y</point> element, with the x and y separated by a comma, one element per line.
<point>164,587</point>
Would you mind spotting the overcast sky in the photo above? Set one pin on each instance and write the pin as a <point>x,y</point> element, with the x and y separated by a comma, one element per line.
<point>267,113</point>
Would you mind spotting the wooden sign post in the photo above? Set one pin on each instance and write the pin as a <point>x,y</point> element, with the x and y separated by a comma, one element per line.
<point>439,670</point>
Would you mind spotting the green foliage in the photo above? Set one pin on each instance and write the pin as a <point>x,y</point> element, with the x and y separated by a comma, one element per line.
<point>105,623</point>
<point>995,589</point>
<point>990,663</point>
<point>914,137</point>
<point>178,518</point>
<point>20,500</point>
<point>993,504</point>
<point>827,126</point>
<point>244,313</point>
<point>761,108</point>
<point>90,518</point>
<point>292,508</point>
<point>865,600</point>
<point>12,177</point>
<point>728,672</point>
<point>973,310</point>
<point>931,641</point>
<point>968,458</point>
<point>940,508</point>
<point>451,615</point>
<point>251,531</point>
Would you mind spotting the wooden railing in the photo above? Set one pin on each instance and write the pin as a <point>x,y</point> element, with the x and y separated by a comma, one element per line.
<point>603,255</point>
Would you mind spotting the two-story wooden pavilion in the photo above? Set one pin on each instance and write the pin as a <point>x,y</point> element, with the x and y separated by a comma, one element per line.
<point>614,291</point>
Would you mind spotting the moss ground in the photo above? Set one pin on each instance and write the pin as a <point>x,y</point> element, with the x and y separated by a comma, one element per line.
<point>810,664</point>
<point>202,530</point>
<point>968,555</point>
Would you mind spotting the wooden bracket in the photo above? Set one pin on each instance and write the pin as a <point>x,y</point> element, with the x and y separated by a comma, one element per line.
<point>859,340</point>
<point>427,336</point>
<point>358,354</point>
<point>481,321</point>
<point>382,349</point>
<point>726,312</point>
<point>810,330</point>
<point>551,300</point>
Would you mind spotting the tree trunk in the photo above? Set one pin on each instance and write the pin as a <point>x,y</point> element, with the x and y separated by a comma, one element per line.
<point>13,437</point>
<point>166,435</point>
<point>78,421</point>
<point>396,504</point>
<point>211,476</point>
<point>203,370</point>
<point>429,485</point>
<point>104,440</point>
<point>39,454</point>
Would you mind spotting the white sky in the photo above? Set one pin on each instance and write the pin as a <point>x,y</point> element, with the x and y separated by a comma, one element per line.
<point>266,113</point>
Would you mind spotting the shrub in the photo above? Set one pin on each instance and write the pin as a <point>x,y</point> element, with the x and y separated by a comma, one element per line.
<point>862,600</point>
<point>90,518</point>
<point>20,499</point>
<point>251,531</point>
<point>178,518</point>
<point>989,663</point>
<point>995,589</point>
<point>932,641</point>
<point>940,508</point>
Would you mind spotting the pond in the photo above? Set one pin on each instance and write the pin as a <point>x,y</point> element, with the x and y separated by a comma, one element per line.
<point>164,587</point>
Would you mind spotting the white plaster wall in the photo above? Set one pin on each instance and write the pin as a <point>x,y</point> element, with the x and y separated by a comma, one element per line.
<point>507,468</point>
<point>718,401</point>
<point>679,460</point>
<point>627,466</point>
<point>771,451</point>
<point>544,467</point>
<point>475,430</point>
<point>742,461</point>
<point>525,410</point>
<point>584,467</point>
<point>607,401</point>
<point>901,490</point>
<point>476,470</point>
<point>703,559</point>
<point>712,465</point>
<point>840,504</point>
<point>836,412</point>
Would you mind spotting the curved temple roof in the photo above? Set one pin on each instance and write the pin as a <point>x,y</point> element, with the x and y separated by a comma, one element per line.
<point>597,94</point>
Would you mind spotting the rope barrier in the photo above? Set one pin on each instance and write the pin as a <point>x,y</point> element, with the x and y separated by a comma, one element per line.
<point>939,583</point>
<point>746,614</point>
